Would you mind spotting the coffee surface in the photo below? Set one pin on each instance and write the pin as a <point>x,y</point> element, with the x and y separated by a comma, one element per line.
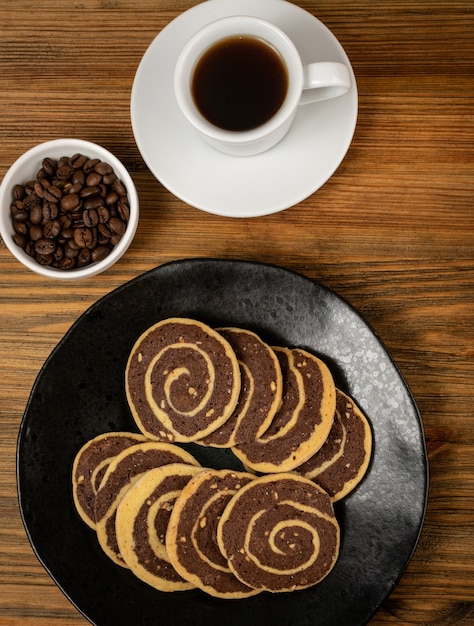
<point>239,83</point>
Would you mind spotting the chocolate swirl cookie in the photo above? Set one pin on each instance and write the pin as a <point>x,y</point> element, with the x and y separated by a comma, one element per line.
<point>182,380</point>
<point>122,472</point>
<point>142,521</point>
<point>342,461</point>
<point>260,392</point>
<point>90,465</point>
<point>279,533</point>
<point>302,424</point>
<point>191,537</point>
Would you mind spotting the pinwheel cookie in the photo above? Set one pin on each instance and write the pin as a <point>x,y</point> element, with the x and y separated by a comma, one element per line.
<point>279,533</point>
<point>90,465</point>
<point>303,421</point>
<point>142,521</point>
<point>191,537</point>
<point>342,461</point>
<point>182,380</point>
<point>121,474</point>
<point>260,393</point>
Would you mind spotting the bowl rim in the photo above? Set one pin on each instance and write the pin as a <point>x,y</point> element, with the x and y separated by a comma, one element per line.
<point>65,146</point>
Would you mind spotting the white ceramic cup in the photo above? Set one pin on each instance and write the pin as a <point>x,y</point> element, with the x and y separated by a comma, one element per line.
<point>306,84</point>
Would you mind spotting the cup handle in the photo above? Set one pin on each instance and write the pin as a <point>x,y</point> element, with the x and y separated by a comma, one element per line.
<point>324,80</point>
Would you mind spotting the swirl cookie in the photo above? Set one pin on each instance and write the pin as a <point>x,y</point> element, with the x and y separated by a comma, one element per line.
<point>182,380</point>
<point>122,472</point>
<point>142,520</point>
<point>191,536</point>
<point>279,533</point>
<point>302,424</point>
<point>342,461</point>
<point>90,465</point>
<point>260,392</point>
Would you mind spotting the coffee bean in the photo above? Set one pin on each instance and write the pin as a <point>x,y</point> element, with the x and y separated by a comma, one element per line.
<point>103,168</point>
<point>52,193</point>
<point>90,218</point>
<point>103,214</point>
<point>36,232</point>
<point>93,179</point>
<point>50,211</point>
<point>94,202</point>
<point>89,165</point>
<point>123,210</point>
<point>21,216</point>
<point>83,237</point>
<point>65,172</point>
<point>18,192</point>
<point>20,239</point>
<point>51,229</point>
<point>30,200</point>
<point>30,187</point>
<point>76,219</point>
<point>36,214</point>
<point>117,226</point>
<point>104,231</point>
<point>115,239</point>
<point>39,189</point>
<point>44,259</point>
<point>66,223</point>
<point>72,214</point>
<point>84,257</point>
<point>93,190</point>
<point>71,250</point>
<point>70,202</point>
<point>49,166</point>
<point>111,198</point>
<point>108,179</point>
<point>79,178</point>
<point>67,263</point>
<point>100,253</point>
<point>103,240</point>
<point>77,161</point>
<point>58,254</point>
<point>20,228</point>
<point>68,233</point>
<point>44,246</point>
<point>75,188</point>
<point>119,188</point>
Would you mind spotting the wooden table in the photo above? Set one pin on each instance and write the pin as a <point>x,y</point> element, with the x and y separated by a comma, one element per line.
<point>392,231</point>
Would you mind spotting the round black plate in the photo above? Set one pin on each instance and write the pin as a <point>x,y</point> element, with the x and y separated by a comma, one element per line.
<point>79,393</point>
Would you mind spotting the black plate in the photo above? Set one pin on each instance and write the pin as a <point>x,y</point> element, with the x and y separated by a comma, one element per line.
<point>79,393</point>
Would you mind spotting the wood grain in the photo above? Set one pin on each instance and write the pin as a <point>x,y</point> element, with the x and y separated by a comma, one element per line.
<point>392,231</point>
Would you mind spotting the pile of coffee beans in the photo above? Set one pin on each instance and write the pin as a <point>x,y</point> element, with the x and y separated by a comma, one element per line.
<point>72,215</point>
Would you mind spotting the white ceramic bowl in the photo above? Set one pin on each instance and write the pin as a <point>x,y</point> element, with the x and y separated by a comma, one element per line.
<point>25,169</point>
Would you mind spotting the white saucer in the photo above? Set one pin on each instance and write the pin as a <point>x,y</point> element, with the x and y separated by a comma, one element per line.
<point>240,186</point>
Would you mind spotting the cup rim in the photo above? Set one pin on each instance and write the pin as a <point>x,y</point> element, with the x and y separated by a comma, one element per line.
<point>186,64</point>
<point>13,176</point>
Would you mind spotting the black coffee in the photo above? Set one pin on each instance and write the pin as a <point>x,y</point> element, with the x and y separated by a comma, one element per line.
<point>239,83</point>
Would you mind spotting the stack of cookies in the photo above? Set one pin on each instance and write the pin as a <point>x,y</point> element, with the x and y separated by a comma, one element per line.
<point>304,445</point>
